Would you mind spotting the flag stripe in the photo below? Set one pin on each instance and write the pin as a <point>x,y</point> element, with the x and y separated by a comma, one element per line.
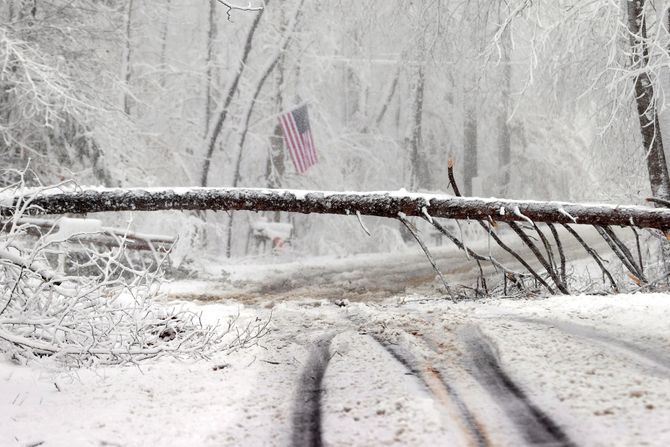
<point>311,139</point>
<point>308,155</point>
<point>288,134</point>
<point>300,146</point>
<point>287,141</point>
<point>295,136</point>
<point>311,145</point>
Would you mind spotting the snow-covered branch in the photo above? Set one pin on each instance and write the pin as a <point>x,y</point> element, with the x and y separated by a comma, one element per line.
<point>381,204</point>
<point>232,6</point>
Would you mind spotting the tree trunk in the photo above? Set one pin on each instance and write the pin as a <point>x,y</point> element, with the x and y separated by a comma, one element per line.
<point>470,145</point>
<point>245,127</point>
<point>393,86</point>
<point>418,175</point>
<point>380,204</point>
<point>504,137</point>
<point>646,102</point>
<point>127,58</point>
<point>164,39</point>
<point>211,37</point>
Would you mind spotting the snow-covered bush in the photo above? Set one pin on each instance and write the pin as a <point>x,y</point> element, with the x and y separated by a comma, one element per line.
<point>108,316</point>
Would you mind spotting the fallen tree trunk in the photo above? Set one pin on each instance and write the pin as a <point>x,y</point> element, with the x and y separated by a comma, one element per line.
<point>381,204</point>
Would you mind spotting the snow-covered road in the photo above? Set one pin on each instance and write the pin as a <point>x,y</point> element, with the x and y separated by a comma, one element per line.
<point>587,371</point>
<point>367,277</point>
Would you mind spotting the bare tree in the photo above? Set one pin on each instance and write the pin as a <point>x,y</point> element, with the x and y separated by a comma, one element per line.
<point>646,101</point>
<point>221,115</point>
<point>209,62</point>
<point>127,68</point>
<point>504,135</point>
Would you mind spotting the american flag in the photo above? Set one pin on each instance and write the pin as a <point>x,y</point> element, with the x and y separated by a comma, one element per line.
<point>298,138</point>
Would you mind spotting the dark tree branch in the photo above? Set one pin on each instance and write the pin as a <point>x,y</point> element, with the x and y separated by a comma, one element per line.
<point>658,201</point>
<point>548,250</point>
<point>639,250</point>
<point>617,251</point>
<point>561,253</point>
<point>489,230</point>
<point>626,252</point>
<point>469,251</point>
<point>414,232</point>
<point>452,179</point>
<point>593,254</point>
<point>533,248</point>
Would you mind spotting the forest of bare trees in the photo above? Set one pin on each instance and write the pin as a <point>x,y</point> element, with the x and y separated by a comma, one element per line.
<point>561,101</point>
<point>334,222</point>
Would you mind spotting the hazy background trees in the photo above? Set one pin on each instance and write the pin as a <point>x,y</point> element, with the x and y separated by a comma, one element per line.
<point>531,100</point>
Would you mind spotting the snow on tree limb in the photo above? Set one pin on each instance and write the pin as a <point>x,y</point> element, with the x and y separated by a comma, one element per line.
<point>232,6</point>
<point>380,204</point>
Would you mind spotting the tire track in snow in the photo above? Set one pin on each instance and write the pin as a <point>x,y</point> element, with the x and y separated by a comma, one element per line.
<point>306,425</point>
<point>436,384</point>
<point>536,427</point>
<point>650,357</point>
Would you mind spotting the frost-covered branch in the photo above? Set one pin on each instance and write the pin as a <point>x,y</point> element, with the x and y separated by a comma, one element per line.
<point>105,314</point>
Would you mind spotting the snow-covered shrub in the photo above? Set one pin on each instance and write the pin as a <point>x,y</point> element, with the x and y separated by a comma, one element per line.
<point>110,316</point>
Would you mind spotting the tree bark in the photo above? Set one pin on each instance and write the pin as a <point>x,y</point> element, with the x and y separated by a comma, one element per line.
<point>504,137</point>
<point>164,41</point>
<point>419,175</point>
<point>211,37</point>
<point>470,154</point>
<point>389,96</point>
<point>646,102</point>
<point>127,58</point>
<point>381,204</point>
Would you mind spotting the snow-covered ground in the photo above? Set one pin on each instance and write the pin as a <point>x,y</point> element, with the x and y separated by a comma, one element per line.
<point>363,350</point>
<point>584,370</point>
